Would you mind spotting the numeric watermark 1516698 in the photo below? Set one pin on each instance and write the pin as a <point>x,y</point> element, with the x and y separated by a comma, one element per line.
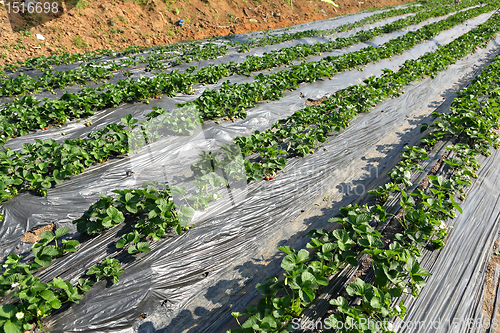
<point>31,7</point>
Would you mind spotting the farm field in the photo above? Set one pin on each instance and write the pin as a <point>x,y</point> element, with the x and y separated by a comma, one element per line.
<point>340,175</point>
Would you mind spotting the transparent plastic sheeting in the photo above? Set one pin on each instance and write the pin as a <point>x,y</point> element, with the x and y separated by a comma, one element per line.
<point>345,19</point>
<point>352,161</point>
<point>339,81</point>
<point>232,55</point>
<point>68,201</point>
<point>189,282</point>
<point>454,293</point>
<point>139,70</point>
<point>180,269</point>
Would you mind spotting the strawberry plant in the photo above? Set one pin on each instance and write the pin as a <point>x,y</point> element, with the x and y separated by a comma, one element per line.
<point>396,268</point>
<point>44,253</point>
<point>232,99</point>
<point>108,269</point>
<point>35,299</point>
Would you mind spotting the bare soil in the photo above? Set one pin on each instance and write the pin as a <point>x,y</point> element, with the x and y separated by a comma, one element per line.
<point>86,25</point>
<point>33,236</point>
<point>312,102</point>
<point>490,292</point>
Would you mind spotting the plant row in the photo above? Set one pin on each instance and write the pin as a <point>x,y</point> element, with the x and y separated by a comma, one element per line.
<point>285,37</point>
<point>303,132</point>
<point>233,99</point>
<point>395,266</point>
<point>38,166</point>
<point>35,300</point>
<point>286,56</point>
<point>29,113</point>
<point>102,71</point>
<point>46,62</point>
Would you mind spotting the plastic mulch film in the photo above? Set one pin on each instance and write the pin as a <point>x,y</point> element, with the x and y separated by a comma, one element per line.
<point>187,276</point>
<point>232,54</point>
<point>452,297</point>
<point>192,282</point>
<point>69,200</point>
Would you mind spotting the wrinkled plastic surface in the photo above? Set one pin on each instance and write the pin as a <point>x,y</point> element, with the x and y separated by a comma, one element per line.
<point>232,55</point>
<point>201,273</point>
<point>453,296</point>
<point>26,211</point>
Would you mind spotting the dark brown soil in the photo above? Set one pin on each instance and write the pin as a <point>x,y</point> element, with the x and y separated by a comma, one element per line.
<point>116,24</point>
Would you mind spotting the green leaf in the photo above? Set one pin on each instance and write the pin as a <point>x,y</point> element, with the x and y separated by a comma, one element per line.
<point>132,249</point>
<point>8,311</point>
<point>396,292</point>
<point>121,243</point>
<point>48,295</point>
<point>268,322</point>
<point>51,251</point>
<point>308,277</point>
<point>61,232</point>
<point>359,287</point>
<point>39,286</point>
<point>287,249</point>
<point>131,207</point>
<point>185,215</point>
<point>70,242</point>
<point>303,255</point>
<point>128,196</point>
<point>251,322</point>
<point>376,302</point>
<point>55,303</point>
<point>143,247</point>
<point>47,235</point>
<point>115,215</point>
<point>12,327</point>
<point>43,260</point>
<point>59,283</point>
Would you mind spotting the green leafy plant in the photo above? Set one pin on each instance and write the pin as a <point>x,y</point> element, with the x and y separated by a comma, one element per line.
<point>44,252</point>
<point>108,269</point>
